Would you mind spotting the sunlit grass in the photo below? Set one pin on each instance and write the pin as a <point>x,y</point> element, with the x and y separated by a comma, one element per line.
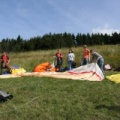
<point>29,60</point>
<point>39,98</point>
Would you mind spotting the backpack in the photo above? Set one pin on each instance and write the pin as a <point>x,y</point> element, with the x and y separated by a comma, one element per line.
<point>117,69</point>
<point>4,96</point>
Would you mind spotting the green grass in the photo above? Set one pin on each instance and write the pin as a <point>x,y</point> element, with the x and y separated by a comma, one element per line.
<point>56,99</point>
<point>41,98</point>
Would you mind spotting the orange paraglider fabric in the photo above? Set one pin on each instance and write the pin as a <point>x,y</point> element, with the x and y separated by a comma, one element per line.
<point>44,67</point>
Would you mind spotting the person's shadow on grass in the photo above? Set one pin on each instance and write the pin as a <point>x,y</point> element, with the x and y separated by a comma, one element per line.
<point>114,108</point>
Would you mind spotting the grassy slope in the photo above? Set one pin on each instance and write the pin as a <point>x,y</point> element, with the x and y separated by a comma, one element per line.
<point>48,99</point>
<point>38,98</point>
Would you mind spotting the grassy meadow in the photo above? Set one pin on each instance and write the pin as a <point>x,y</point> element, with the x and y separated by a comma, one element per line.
<point>42,98</point>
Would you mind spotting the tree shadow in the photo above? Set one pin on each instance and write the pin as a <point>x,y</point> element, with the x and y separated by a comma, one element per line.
<point>112,108</point>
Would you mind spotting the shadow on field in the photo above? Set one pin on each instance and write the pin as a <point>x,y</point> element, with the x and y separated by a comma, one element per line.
<point>114,108</point>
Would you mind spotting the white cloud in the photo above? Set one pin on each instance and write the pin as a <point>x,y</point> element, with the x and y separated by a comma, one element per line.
<point>105,30</point>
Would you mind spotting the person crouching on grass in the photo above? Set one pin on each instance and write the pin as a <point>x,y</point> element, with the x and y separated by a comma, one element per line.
<point>5,61</point>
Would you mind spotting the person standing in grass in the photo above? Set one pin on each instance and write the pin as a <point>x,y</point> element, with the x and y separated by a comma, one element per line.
<point>85,56</point>
<point>71,59</point>
<point>96,57</point>
<point>59,57</point>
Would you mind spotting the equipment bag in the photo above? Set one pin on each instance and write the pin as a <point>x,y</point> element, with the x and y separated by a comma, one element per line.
<point>4,96</point>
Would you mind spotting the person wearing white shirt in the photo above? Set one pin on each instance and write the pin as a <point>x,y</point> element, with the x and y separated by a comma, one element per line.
<point>71,59</point>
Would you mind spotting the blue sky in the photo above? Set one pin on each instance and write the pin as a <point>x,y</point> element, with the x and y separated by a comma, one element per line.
<point>31,18</point>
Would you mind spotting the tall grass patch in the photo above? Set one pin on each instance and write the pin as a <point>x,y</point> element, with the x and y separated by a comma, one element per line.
<point>29,60</point>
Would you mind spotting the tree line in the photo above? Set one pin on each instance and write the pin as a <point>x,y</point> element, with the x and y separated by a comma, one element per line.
<point>59,40</point>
